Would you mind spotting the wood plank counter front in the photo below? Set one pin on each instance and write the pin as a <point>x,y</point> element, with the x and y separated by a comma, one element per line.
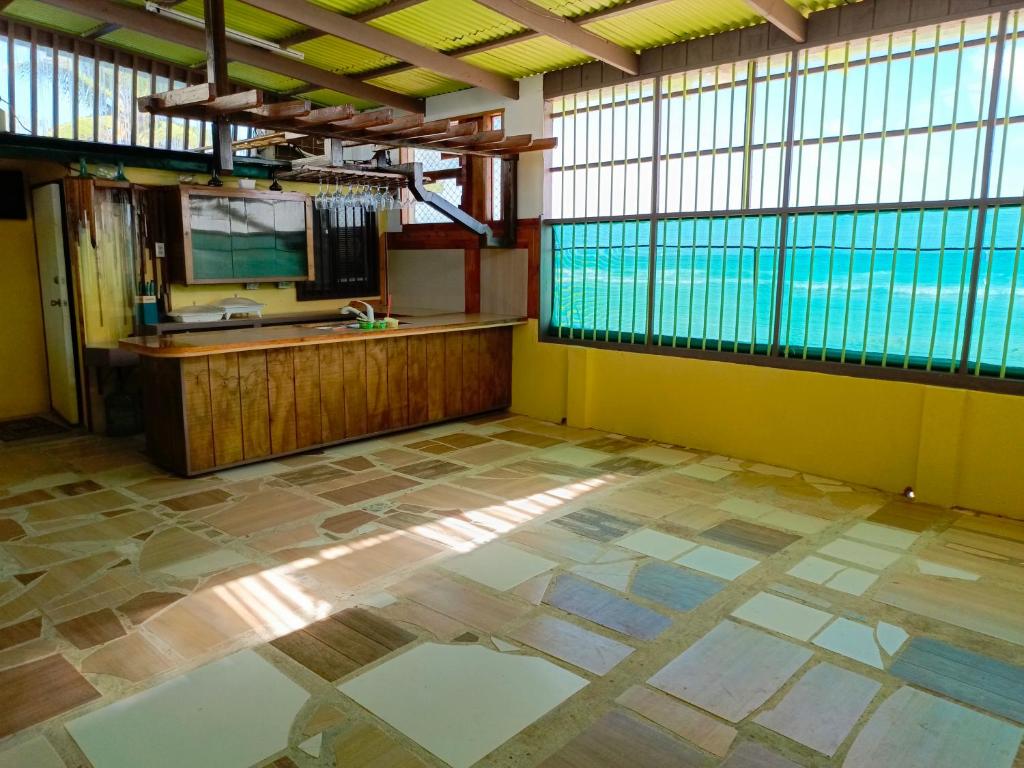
<point>215,399</point>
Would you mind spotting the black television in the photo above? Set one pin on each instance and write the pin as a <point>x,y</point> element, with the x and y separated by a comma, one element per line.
<point>12,195</point>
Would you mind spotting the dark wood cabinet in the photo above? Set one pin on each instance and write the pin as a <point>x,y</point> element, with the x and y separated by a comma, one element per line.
<point>218,235</point>
<point>208,412</point>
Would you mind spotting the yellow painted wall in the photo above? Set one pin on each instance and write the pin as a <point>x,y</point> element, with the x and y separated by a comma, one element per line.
<point>25,388</point>
<point>955,447</point>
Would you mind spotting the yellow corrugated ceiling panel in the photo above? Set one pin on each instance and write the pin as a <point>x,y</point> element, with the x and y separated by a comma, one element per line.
<point>676,20</point>
<point>418,82</point>
<point>326,97</point>
<point>47,16</point>
<point>261,78</point>
<point>529,57</point>
<point>339,55</point>
<point>447,24</point>
<point>154,46</point>
<point>570,8</point>
<point>350,7</point>
<point>244,18</point>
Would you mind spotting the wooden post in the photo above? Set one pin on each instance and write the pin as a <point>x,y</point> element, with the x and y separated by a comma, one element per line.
<point>217,76</point>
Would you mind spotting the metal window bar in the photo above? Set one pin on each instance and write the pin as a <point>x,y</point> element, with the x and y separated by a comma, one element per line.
<point>65,87</point>
<point>882,278</point>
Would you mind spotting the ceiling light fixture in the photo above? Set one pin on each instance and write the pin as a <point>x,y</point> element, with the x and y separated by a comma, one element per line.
<point>239,37</point>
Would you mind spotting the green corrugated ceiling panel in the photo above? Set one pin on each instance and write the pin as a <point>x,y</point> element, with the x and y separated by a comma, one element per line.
<point>541,54</point>
<point>261,78</point>
<point>326,97</point>
<point>47,16</point>
<point>447,24</point>
<point>672,21</point>
<point>350,7</point>
<point>156,47</point>
<point>807,6</point>
<point>244,18</point>
<point>339,55</point>
<point>570,8</point>
<point>417,82</point>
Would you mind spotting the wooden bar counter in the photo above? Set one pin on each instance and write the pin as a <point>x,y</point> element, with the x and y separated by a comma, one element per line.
<point>216,399</point>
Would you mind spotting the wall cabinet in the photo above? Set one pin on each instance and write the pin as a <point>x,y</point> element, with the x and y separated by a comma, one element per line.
<point>218,235</point>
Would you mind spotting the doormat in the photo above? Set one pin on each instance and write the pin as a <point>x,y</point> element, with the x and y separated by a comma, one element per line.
<point>23,429</point>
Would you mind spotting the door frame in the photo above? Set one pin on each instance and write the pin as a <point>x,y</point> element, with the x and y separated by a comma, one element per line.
<point>71,277</point>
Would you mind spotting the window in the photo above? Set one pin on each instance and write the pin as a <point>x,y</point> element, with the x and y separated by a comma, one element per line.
<point>856,203</point>
<point>451,177</point>
<point>51,86</point>
<point>345,255</point>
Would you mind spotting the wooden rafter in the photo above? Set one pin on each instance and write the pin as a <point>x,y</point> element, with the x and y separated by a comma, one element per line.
<point>781,14</point>
<point>544,21</point>
<point>610,12</point>
<point>347,28</point>
<point>377,127</point>
<point>151,24</point>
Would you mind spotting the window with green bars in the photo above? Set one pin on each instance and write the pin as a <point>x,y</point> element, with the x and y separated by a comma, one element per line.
<point>856,203</point>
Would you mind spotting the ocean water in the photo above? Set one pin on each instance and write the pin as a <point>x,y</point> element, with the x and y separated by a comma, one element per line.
<point>890,286</point>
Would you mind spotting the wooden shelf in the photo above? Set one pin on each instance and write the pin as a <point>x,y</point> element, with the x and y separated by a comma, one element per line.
<point>340,123</point>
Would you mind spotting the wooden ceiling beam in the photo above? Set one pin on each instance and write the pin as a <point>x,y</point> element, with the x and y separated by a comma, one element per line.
<point>544,21</point>
<point>151,24</point>
<point>347,28</point>
<point>519,37</point>
<point>781,14</point>
<point>326,115</point>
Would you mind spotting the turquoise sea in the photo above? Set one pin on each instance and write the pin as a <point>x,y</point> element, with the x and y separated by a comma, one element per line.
<point>891,286</point>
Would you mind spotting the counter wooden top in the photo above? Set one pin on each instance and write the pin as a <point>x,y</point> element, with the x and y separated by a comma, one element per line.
<point>200,343</point>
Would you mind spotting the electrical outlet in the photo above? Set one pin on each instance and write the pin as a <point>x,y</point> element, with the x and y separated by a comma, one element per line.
<point>252,286</point>
<point>286,284</point>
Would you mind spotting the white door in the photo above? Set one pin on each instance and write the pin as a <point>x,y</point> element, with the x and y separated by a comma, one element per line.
<point>53,287</point>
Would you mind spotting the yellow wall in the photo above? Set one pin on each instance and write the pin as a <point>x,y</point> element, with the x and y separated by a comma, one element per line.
<point>25,387</point>
<point>955,447</point>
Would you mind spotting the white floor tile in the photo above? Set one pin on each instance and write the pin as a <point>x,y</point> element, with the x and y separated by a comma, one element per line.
<point>860,554</point>
<point>461,702</point>
<point>781,615</point>
<point>838,576</point>
<point>228,714</point>
<point>717,562</point>
<point>499,566</point>
<point>656,544</point>
<point>938,569</point>
<point>853,640</point>
<point>704,472</point>
<point>890,637</point>
<point>852,581</point>
<point>882,534</point>
<point>660,455</point>
<point>571,454</point>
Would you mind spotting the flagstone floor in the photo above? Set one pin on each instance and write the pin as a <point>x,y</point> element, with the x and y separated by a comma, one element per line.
<point>500,592</point>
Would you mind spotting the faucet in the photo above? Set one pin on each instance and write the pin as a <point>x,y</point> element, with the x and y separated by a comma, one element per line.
<point>367,315</point>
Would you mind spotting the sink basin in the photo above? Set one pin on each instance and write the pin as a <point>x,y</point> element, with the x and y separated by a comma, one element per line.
<point>344,325</point>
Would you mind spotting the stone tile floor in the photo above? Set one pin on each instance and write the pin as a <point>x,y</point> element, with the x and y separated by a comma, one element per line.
<point>497,592</point>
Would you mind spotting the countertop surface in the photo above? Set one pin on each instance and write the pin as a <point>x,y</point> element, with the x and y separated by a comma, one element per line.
<point>413,322</point>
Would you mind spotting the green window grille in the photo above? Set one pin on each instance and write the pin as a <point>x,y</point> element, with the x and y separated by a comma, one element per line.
<point>857,203</point>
